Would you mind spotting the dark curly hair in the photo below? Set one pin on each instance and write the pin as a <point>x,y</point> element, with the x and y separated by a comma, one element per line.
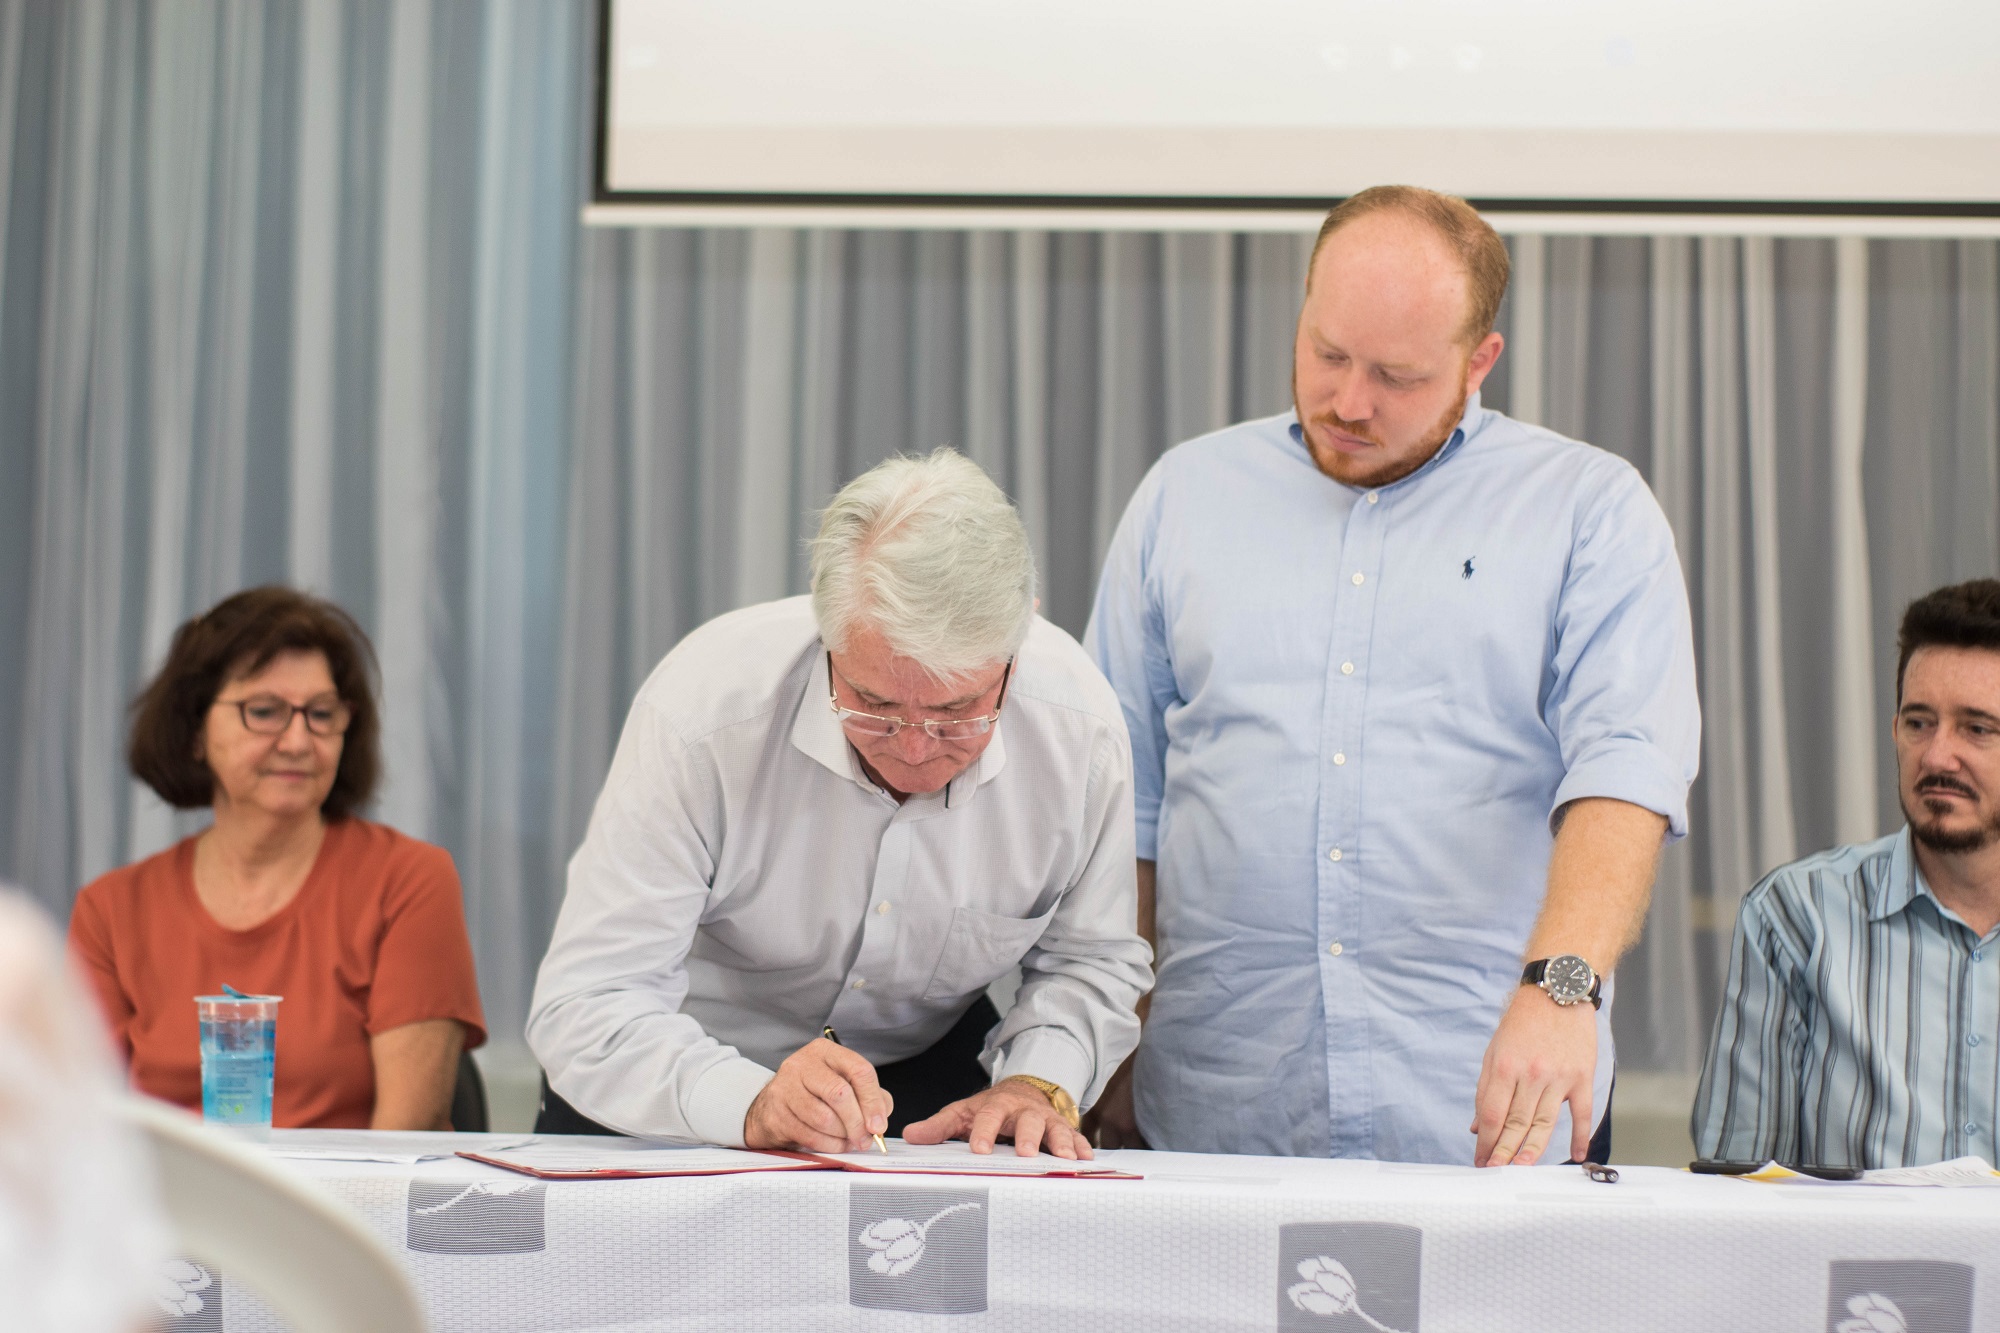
<point>239,637</point>
<point>1964,615</point>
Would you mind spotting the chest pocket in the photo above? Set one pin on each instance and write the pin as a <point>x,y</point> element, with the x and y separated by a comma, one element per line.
<point>980,947</point>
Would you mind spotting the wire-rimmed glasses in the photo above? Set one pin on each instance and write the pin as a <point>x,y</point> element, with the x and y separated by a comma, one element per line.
<point>268,715</point>
<point>937,728</point>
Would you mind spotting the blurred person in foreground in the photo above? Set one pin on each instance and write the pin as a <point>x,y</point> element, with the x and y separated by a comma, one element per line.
<point>1412,701</point>
<point>82,1242</point>
<point>265,711</point>
<point>1861,1023</point>
<point>859,809</point>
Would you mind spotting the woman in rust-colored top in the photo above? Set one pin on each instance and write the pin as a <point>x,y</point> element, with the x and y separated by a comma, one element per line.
<point>265,711</point>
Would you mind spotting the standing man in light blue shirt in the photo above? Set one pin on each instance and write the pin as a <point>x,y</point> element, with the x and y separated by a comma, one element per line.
<point>1412,702</point>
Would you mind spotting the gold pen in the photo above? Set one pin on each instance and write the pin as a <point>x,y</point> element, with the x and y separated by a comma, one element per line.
<point>834,1037</point>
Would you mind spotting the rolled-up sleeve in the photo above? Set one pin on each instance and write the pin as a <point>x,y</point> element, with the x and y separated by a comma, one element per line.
<point>606,1022</point>
<point>1622,703</point>
<point>1074,1019</point>
<point>1127,639</point>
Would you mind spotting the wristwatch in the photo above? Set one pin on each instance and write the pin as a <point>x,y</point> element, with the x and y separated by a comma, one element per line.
<point>1566,979</point>
<point>1064,1103</point>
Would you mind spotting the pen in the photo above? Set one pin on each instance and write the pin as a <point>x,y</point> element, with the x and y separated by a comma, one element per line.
<point>834,1037</point>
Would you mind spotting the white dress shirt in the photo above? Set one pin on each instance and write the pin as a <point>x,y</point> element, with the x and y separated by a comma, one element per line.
<point>743,884</point>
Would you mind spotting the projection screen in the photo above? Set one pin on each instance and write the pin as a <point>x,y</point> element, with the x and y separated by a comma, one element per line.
<point>1158,108</point>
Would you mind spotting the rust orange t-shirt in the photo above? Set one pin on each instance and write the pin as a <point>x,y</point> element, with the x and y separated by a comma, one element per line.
<point>374,939</point>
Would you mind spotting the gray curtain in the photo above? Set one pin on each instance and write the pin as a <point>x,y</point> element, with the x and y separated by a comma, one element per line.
<point>297,292</point>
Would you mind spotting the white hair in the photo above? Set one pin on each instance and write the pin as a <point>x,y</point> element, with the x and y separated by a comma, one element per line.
<point>930,554</point>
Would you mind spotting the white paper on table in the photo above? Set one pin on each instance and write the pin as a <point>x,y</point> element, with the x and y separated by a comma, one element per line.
<point>631,1156</point>
<point>957,1158</point>
<point>367,1145</point>
<point>1959,1173</point>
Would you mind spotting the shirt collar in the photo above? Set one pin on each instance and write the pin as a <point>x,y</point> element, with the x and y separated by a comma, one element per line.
<point>1900,887</point>
<point>816,733</point>
<point>1904,884</point>
<point>1469,422</point>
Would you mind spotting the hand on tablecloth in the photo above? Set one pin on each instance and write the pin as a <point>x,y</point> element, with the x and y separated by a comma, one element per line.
<point>1112,1123</point>
<point>1541,1056</point>
<point>824,1099</point>
<point>1009,1108</point>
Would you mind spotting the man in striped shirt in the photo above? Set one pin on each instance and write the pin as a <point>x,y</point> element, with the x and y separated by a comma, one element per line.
<point>1861,1026</point>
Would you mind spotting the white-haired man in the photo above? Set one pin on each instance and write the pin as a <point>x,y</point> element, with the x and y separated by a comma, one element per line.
<point>856,811</point>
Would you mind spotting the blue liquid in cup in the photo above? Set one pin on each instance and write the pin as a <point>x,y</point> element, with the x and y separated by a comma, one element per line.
<point>238,1060</point>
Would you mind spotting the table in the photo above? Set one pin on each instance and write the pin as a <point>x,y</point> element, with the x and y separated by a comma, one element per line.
<point>1203,1243</point>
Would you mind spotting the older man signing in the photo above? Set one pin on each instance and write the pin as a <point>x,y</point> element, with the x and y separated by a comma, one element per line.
<point>858,810</point>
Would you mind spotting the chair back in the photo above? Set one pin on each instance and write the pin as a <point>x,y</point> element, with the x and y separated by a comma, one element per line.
<point>468,1099</point>
<point>306,1255</point>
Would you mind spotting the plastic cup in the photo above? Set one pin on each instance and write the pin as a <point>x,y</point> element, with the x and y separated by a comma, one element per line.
<point>239,1054</point>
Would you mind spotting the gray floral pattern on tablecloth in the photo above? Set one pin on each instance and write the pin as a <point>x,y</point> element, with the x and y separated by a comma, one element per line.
<point>477,1217</point>
<point>1350,1277</point>
<point>1898,1296</point>
<point>917,1248</point>
<point>189,1296</point>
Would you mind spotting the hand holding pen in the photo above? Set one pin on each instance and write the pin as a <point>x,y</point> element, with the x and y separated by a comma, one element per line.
<point>834,1037</point>
<point>824,1098</point>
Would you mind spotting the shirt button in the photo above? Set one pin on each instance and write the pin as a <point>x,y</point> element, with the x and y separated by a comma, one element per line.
<point>1334,948</point>
<point>1359,579</point>
<point>1971,1128</point>
<point>1978,957</point>
<point>1347,668</point>
<point>1333,855</point>
<point>1339,759</point>
<point>1372,497</point>
<point>1972,1040</point>
<point>881,909</point>
<point>860,982</point>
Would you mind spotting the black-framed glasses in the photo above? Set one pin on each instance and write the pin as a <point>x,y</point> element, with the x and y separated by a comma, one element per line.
<point>268,715</point>
<point>937,728</point>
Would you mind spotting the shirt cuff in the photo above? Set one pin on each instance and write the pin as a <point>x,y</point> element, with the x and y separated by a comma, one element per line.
<point>1052,1054</point>
<point>1636,772</point>
<point>720,1099</point>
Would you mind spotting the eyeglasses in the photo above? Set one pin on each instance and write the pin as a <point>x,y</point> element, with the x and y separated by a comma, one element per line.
<point>937,728</point>
<point>268,715</point>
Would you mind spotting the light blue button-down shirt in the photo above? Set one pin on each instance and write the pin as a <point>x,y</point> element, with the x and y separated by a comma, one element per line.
<point>1861,1026</point>
<point>1353,713</point>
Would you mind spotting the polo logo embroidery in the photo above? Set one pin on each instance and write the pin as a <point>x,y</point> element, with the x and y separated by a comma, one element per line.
<point>190,1296</point>
<point>1468,566</point>
<point>489,1217</point>
<point>916,1249</point>
<point>1360,1277</point>
<point>1898,1296</point>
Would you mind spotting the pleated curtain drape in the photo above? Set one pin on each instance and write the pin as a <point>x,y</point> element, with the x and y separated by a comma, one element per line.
<point>298,291</point>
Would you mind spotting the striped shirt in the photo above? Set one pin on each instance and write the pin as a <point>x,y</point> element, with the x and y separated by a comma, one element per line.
<point>1861,1025</point>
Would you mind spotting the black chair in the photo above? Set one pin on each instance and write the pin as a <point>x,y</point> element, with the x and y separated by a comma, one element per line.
<point>468,1098</point>
<point>556,1116</point>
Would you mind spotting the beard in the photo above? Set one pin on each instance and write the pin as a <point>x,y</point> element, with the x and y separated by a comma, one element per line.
<point>1356,472</point>
<point>1927,826</point>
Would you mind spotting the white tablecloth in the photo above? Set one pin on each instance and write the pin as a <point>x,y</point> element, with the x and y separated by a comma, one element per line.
<point>1203,1243</point>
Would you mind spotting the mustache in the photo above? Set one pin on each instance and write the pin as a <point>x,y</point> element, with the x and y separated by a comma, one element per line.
<point>1941,783</point>
<point>1346,427</point>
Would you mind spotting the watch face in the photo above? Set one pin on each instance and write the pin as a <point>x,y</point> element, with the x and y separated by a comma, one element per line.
<point>1568,978</point>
